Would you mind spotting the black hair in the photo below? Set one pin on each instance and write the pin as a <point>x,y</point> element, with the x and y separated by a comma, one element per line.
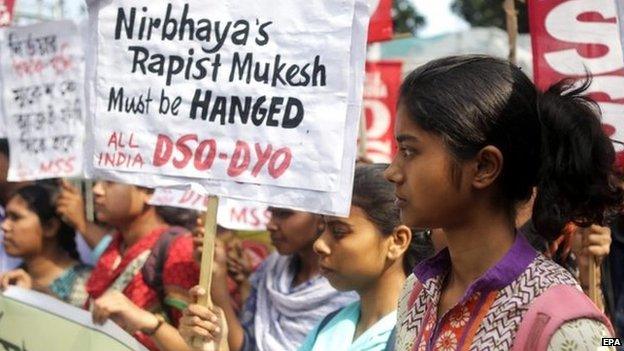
<point>375,196</point>
<point>4,146</point>
<point>552,140</point>
<point>176,216</point>
<point>41,199</point>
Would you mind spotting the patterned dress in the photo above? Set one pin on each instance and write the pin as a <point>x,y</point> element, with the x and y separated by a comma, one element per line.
<point>488,315</point>
<point>121,270</point>
<point>70,287</point>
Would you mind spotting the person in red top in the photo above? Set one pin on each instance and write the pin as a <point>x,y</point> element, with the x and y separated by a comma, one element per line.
<point>142,278</point>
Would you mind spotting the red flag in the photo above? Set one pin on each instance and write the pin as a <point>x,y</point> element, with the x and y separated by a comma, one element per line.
<point>380,27</point>
<point>570,38</point>
<point>6,12</point>
<point>381,94</point>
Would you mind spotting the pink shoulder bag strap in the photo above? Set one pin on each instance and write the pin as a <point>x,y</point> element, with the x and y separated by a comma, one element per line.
<point>549,311</point>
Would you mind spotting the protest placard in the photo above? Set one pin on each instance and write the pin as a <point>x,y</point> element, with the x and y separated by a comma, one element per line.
<point>299,195</point>
<point>620,8</point>
<point>200,90</point>
<point>6,12</point>
<point>571,39</point>
<point>43,99</point>
<point>190,198</point>
<point>381,95</point>
<point>380,27</point>
<point>6,16</point>
<point>232,214</point>
<point>32,321</point>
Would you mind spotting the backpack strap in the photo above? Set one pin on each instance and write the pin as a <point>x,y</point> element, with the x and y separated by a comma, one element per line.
<point>153,268</point>
<point>549,311</point>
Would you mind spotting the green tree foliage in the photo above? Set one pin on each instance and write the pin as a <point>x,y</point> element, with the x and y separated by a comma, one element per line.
<point>490,13</point>
<point>405,17</point>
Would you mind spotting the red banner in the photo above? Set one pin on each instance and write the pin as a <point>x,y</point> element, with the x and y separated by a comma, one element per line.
<point>380,27</point>
<point>381,94</point>
<point>6,12</point>
<point>573,37</point>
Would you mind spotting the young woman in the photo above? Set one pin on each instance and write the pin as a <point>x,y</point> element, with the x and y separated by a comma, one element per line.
<point>141,280</point>
<point>475,136</point>
<point>288,295</point>
<point>370,253</point>
<point>35,233</point>
<point>7,189</point>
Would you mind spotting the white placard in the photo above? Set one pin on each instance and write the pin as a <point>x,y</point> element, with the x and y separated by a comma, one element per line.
<point>232,214</point>
<point>242,215</point>
<point>253,92</point>
<point>30,320</point>
<point>620,9</point>
<point>43,98</point>
<point>328,202</point>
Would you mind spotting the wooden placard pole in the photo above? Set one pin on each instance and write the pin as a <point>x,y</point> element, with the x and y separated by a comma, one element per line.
<point>207,258</point>
<point>362,139</point>
<point>89,200</point>
<point>511,19</point>
<point>593,273</point>
<point>594,281</point>
<point>210,233</point>
<point>591,281</point>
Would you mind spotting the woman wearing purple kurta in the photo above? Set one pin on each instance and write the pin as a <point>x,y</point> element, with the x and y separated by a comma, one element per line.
<point>475,137</point>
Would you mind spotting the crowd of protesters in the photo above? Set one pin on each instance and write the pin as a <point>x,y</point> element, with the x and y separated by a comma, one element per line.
<point>498,198</point>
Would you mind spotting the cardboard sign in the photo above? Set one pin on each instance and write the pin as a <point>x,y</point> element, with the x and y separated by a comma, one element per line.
<point>232,214</point>
<point>242,215</point>
<point>32,321</point>
<point>197,89</point>
<point>380,27</point>
<point>571,38</point>
<point>620,8</point>
<point>43,98</point>
<point>309,182</point>
<point>6,12</point>
<point>6,17</point>
<point>381,95</point>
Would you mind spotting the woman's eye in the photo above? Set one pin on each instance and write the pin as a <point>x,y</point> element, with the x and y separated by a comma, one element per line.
<point>281,214</point>
<point>339,231</point>
<point>406,152</point>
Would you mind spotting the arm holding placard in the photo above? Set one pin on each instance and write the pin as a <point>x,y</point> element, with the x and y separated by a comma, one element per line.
<point>179,272</point>
<point>204,327</point>
<point>118,308</point>
<point>70,206</point>
<point>232,330</point>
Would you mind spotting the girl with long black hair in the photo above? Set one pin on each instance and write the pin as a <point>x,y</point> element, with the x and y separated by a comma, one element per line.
<point>475,136</point>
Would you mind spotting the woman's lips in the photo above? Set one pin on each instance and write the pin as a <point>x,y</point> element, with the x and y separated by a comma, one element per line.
<point>400,202</point>
<point>275,239</point>
<point>6,242</point>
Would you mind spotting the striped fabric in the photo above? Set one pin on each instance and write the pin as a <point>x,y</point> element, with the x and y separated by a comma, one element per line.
<point>487,317</point>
